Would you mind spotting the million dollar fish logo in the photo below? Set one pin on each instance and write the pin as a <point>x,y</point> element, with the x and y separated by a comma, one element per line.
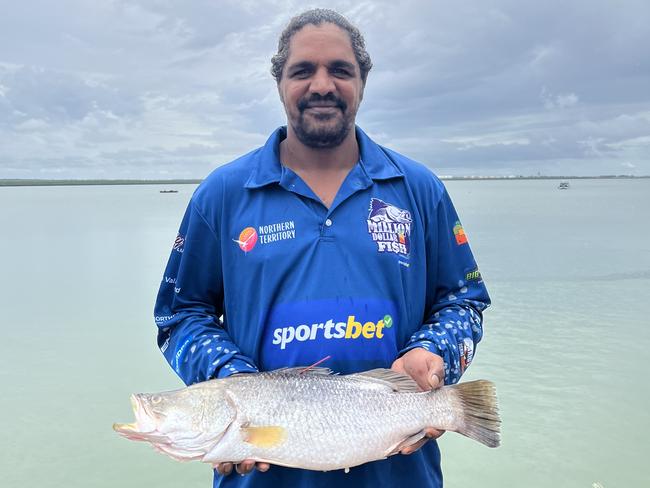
<point>390,227</point>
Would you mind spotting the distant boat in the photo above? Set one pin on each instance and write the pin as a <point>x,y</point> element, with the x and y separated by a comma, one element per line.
<point>564,185</point>
<point>168,191</point>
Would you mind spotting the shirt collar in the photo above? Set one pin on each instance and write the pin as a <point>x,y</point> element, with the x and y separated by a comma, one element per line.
<point>268,169</point>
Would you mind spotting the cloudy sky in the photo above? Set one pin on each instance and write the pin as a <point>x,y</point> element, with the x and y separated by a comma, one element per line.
<point>169,89</point>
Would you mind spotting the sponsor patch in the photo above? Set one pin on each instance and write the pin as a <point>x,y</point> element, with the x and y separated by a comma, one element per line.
<point>179,243</point>
<point>459,233</point>
<point>356,334</point>
<point>474,275</point>
<point>466,350</point>
<point>390,227</point>
<point>163,318</point>
<point>281,231</point>
<point>266,234</point>
<point>349,328</point>
<point>247,239</point>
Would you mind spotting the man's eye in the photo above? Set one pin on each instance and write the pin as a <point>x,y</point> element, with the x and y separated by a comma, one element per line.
<point>302,73</point>
<point>341,72</point>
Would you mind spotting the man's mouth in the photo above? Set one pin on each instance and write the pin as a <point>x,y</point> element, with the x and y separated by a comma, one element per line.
<point>322,104</point>
<point>322,109</point>
<point>325,106</point>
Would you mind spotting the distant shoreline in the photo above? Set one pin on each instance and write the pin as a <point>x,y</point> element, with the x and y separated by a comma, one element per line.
<point>28,182</point>
<point>44,182</point>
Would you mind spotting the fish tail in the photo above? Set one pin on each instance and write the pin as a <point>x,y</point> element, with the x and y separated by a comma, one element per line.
<point>479,414</point>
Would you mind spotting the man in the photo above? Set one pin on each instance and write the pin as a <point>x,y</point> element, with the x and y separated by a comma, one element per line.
<point>322,243</point>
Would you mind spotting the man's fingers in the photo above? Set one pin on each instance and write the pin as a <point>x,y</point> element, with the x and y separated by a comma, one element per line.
<point>398,365</point>
<point>422,377</point>
<point>417,371</point>
<point>245,467</point>
<point>426,368</point>
<point>414,447</point>
<point>435,381</point>
<point>432,433</point>
<point>429,433</point>
<point>263,467</point>
<point>224,468</point>
<point>435,371</point>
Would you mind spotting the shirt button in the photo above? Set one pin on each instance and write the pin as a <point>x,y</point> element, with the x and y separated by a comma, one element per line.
<point>328,222</point>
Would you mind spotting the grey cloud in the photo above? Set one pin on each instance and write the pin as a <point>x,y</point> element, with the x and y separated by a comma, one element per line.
<point>37,93</point>
<point>156,85</point>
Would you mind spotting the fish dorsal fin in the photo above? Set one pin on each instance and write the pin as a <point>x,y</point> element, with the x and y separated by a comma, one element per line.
<point>303,370</point>
<point>398,382</point>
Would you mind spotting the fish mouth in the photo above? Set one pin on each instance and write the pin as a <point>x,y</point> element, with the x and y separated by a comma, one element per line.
<point>144,427</point>
<point>132,428</point>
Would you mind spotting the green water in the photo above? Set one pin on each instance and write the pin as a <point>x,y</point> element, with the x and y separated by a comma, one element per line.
<point>569,275</point>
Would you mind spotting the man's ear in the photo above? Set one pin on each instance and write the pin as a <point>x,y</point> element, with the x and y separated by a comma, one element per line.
<point>280,93</point>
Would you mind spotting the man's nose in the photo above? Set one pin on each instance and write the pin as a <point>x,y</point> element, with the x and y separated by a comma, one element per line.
<point>322,83</point>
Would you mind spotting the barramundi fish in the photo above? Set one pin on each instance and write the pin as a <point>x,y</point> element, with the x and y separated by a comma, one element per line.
<point>308,418</point>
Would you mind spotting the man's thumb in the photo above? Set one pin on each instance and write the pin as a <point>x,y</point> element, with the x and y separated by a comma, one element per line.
<point>434,381</point>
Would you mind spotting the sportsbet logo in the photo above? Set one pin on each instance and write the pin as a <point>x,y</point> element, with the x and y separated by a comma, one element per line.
<point>349,330</point>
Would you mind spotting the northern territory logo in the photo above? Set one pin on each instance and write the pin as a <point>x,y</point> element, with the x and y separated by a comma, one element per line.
<point>247,239</point>
<point>266,234</point>
<point>390,227</point>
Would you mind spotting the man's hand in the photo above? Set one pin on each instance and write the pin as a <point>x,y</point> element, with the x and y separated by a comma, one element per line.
<point>426,368</point>
<point>428,371</point>
<point>245,467</point>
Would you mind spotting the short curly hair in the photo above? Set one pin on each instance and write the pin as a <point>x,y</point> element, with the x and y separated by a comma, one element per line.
<point>319,16</point>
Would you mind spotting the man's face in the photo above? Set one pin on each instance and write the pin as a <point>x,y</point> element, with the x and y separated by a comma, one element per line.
<point>321,85</point>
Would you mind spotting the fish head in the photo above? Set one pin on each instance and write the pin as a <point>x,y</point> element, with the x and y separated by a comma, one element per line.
<point>398,215</point>
<point>184,424</point>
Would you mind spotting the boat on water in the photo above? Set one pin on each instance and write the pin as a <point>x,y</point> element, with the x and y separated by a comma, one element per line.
<point>564,185</point>
<point>168,191</point>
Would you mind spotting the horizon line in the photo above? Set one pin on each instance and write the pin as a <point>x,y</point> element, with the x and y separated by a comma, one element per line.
<point>185,181</point>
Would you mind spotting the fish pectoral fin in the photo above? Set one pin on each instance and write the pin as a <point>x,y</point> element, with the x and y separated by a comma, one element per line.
<point>132,427</point>
<point>409,441</point>
<point>267,436</point>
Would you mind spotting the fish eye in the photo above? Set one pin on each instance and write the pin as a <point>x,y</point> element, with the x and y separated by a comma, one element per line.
<point>156,399</point>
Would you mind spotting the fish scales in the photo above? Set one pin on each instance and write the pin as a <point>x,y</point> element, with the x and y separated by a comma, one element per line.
<point>311,420</point>
<point>329,422</point>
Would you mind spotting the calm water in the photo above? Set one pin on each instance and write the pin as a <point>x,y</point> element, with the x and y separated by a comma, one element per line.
<point>569,275</point>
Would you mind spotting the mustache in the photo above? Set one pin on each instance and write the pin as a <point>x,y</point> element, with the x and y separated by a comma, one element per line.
<point>315,98</point>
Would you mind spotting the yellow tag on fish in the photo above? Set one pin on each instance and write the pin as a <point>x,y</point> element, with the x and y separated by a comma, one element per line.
<point>270,436</point>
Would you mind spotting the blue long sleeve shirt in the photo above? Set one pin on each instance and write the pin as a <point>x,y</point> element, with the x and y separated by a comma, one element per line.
<point>262,275</point>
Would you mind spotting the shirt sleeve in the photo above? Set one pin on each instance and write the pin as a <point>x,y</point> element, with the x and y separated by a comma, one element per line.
<point>456,295</point>
<point>191,335</point>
